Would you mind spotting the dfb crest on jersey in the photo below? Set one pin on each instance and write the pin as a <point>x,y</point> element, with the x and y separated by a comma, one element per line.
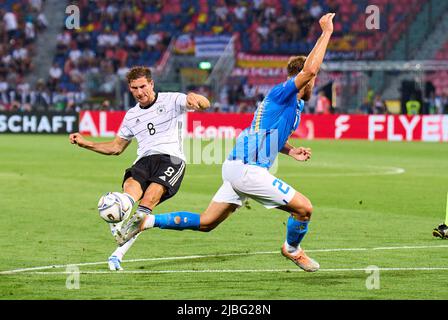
<point>161,110</point>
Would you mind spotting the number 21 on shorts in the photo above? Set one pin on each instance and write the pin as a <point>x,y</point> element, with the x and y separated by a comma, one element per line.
<point>281,186</point>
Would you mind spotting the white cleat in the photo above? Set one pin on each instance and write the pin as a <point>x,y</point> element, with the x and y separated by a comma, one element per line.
<point>131,228</point>
<point>114,264</point>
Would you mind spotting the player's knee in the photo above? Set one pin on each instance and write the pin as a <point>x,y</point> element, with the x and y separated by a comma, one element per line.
<point>308,209</point>
<point>207,225</point>
<point>304,211</point>
<point>150,200</point>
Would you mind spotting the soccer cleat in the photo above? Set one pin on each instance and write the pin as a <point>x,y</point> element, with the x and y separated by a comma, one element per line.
<point>114,227</point>
<point>114,264</point>
<point>441,231</point>
<point>301,259</point>
<point>130,228</point>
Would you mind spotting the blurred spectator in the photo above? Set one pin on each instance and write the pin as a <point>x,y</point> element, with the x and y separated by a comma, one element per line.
<point>105,105</point>
<point>429,105</point>
<point>249,91</point>
<point>30,32</point>
<point>221,12</point>
<point>74,54</point>
<point>36,5</point>
<point>316,10</point>
<point>323,104</point>
<point>310,105</point>
<point>440,103</point>
<point>413,106</point>
<point>379,107</point>
<point>4,96</point>
<point>40,97</point>
<point>42,22</point>
<point>240,12</point>
<point>11,24</point>
<point>59,99</point>
<point>55,75</point>
<point>153,39</point>
<point>366,107</point>
<point>122,70</point>
<point>333,6</point>
<point>23,95</point>
<point>263,31</point>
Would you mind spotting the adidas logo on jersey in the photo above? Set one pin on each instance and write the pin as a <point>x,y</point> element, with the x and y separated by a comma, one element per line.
<point>163,178</point>
<point>137,121</point>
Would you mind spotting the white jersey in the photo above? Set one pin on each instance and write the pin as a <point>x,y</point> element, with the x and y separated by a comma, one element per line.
<point>158,128</point>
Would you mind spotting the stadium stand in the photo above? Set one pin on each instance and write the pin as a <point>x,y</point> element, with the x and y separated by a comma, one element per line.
<point>440,79</point>
<point>20,24</point>
<point>115,35</point>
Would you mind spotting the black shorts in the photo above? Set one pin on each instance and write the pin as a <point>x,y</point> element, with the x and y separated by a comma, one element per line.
<point>159,168</point>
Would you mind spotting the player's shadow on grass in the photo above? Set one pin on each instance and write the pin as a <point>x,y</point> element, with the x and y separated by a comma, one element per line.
<point>193,263</point>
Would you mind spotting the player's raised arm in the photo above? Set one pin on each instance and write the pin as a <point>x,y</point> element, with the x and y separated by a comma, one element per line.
<point>316,56</point>
<point>114,147</point>
<point>197,102</point>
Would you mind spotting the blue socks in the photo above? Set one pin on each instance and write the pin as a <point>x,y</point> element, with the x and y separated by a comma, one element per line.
<point>295,231</point>
<point>180,220</point>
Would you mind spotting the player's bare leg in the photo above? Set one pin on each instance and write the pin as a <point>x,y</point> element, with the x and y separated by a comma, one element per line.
<point>216,213</point>
<point>134,189</point>
<point>301,209</point>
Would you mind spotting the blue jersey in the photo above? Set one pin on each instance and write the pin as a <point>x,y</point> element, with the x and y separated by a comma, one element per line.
<point>274,120</point>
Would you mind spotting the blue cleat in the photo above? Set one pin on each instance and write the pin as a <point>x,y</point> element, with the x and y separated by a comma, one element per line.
<point>115,264</point>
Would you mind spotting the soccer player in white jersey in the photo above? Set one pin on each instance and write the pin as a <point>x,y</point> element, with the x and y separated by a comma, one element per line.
<point>156,122</point>
<point>245,172</point>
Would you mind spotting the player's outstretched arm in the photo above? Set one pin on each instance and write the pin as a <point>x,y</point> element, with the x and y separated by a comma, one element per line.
<point>316,56</point>
<point>300,153</point>
<point>197,102</point>
<point>114,147</point>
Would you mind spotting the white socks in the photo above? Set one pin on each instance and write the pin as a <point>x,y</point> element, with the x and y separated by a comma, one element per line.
<point>149,221</point>
<point>290,248</point>
<point>121,251</point>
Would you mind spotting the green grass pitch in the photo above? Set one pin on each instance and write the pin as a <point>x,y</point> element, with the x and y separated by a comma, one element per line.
<point>375,204</point>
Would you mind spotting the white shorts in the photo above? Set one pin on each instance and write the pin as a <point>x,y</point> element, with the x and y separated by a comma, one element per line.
<point>243,181</point>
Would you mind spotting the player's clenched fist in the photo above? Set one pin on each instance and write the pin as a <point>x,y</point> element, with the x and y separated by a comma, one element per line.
<point>326,22</point>
<point>77,138</point>
<point>197,101</point>
<point>300,154</point>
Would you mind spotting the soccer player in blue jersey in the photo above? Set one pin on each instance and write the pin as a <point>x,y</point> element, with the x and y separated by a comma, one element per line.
<point>245,172</point>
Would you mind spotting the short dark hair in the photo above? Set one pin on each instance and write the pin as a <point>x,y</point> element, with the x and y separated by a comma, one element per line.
<point>138,72</point>
<point>295,65</point>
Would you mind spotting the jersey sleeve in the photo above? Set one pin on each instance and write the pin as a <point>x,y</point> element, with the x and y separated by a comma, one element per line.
<point>180,103</point>
<point>125,132</point>
<point>282,93</point>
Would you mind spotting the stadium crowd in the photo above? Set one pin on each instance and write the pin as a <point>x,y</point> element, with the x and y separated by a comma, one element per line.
<point>20,24</point>
<point>116,35</point>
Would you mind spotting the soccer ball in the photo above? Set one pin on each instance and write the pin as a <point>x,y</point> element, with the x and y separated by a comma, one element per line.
<point>113,206</point>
